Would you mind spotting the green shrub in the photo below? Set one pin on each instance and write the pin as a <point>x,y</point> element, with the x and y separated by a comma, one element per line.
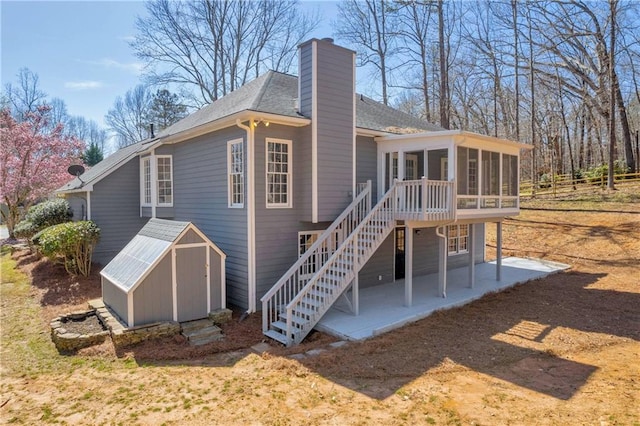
<point>43,215</point>
<point>72,243</point>
<point>24,229</point>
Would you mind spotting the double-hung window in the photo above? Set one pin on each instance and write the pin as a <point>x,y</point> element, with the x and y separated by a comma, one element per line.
<point>279,163</point>
<point>458,239</point>
<point>162,179</point>
<point>235,170</point>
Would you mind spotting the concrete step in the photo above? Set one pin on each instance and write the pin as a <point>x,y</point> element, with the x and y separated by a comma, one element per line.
<point>189,326</point>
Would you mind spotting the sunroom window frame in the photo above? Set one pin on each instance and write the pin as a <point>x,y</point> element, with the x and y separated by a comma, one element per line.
<point>230,166</point>
<point>157,180</point>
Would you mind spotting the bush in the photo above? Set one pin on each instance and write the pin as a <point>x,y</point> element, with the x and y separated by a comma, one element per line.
<point>72,243</point>
<point>24,229</point>
<point>43,215</point>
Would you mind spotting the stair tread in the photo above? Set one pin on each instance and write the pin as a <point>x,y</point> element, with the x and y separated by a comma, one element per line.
<point>296,319</point>
<point>208,331</point>
<point>276,336</point>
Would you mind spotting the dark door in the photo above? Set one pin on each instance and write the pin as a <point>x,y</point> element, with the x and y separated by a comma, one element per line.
<point>191,280</point>
<point>400,247</point>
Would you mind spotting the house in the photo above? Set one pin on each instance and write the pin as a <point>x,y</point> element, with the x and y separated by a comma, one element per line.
<point>311,190</point>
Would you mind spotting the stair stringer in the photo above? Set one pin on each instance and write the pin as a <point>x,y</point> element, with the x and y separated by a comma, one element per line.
<point>333,278</point>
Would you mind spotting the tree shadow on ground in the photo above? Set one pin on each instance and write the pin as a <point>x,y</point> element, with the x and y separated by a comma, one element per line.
<point>56,285</point>
<point>507,335</point>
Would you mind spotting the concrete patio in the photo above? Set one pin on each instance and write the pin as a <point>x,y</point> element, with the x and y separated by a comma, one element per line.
<point>382,310</point>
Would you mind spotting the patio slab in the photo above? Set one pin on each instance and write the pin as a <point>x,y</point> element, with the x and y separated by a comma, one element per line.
<point>382,307</point>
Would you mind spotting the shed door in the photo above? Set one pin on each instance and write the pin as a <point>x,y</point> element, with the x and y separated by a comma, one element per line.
<point>191,283</point>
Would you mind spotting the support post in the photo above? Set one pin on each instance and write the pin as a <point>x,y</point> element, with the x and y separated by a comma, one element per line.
<point>498,251</point>
<point>472,256</point>
<point>408,266</point>
<point>355,295</point>
<point>442,264</point>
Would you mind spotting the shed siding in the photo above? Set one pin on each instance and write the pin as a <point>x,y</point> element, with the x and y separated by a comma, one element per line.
<point>115,208</point>
<point>190,238</point>
<point>191,283</point>
<point>215,282</point>
<point>200,196</point>
<point>153,298</point>
<point>335,101</point>
<point>367,164</point>
<point>116,299</point>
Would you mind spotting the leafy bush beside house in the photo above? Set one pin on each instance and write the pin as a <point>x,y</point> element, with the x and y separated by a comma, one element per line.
<point>71,243</point>
<point>43,215</point>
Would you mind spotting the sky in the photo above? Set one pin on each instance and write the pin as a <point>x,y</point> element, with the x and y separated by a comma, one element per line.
<point>80,50</point>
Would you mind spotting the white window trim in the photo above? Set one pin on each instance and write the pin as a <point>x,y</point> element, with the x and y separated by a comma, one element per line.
<point>230,194</point>
<point>289,203</point>
<point>453,231</point>
<point>156,181</point>
<point>143,201</point>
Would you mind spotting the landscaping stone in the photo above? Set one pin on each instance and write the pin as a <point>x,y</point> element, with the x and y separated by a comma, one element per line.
<point>338,344</point>
<point>69,342</point>
<point>220,316</point>
<point>261,347</point>
<point>314,352</point>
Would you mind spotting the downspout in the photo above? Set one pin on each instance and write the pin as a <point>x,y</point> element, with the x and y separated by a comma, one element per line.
<point>251,216</point>
<point>154,181</point>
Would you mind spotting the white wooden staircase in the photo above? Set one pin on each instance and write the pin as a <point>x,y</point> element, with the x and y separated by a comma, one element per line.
<point>311,286</point>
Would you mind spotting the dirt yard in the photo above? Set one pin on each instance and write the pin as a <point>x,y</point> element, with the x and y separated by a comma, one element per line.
<point>557,351</point>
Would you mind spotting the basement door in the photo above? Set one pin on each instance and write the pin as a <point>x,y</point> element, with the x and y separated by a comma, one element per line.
<point>191,283</point>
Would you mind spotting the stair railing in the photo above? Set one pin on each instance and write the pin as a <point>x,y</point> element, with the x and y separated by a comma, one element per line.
<point>345,262</point>
<point>290,284</point>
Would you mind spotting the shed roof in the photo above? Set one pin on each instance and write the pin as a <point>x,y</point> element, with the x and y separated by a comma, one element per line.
<point>143,252</point>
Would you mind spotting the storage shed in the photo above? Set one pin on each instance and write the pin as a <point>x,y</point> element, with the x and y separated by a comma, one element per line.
<point>170,271</point>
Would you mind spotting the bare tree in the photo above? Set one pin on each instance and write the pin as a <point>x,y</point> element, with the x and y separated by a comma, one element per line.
<point>214,47</point>
<point>368,25</point>
<point>25,96</point>
<point>128,117</point>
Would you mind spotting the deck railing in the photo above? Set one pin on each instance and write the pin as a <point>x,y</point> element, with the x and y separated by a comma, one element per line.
<point>306,266</point>
<point>425,200</point>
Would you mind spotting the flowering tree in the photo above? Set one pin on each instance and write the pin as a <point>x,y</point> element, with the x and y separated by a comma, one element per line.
<point>34,158</point>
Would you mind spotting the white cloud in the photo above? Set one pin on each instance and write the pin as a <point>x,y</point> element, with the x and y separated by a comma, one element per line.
<point>134,67</point>
<point>83,85</point>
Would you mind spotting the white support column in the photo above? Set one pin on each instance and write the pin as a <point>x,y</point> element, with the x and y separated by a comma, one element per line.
<point>498,251</point>
<point>355,295</point>
<point>401,164</point>
<point>472,256</point>
<point>442,266</point>
<point>408,266</point>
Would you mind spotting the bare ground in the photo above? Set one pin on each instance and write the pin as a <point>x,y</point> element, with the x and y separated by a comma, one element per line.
<point>560,350</point>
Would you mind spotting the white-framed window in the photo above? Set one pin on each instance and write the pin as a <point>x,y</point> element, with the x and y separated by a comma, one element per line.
<point>458,239</point>
<point>145,179</point>
<point>279,163</point>
<point>164,182</point>
<point>235,172</point>
<point>162,178</point>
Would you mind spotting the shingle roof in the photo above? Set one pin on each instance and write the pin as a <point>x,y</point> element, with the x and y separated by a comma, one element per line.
<point>273,93</point>
<point>105,166</point>
<point>276,93</point>
<point>135,259</point>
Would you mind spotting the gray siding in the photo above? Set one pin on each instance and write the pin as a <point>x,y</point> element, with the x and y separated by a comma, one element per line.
<point>277,228</point>
<point>335,107</point>
<point>78,203</point>
<point>215,280</point>
<point>367,164</point>
<point>115,298</point>
<point>115,208</point>
<point>306,79</point>
<point>153,298</point>
<point>381,263</point>
<point>200,196</point>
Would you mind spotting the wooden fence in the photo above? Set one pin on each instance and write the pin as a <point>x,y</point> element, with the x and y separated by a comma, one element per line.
<point>564,185</point>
